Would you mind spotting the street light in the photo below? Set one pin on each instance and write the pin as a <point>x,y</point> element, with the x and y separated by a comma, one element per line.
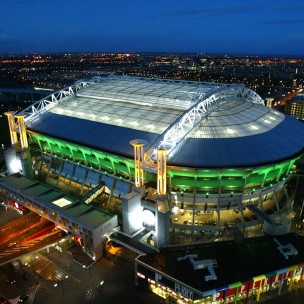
<point>100,284</point>
<point>84,266</point>
<point>60,283</point>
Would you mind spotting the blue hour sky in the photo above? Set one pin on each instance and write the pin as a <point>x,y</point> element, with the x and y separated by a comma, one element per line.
<point>218,26</point>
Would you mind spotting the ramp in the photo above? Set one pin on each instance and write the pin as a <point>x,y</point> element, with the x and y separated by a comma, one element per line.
<point>260,213</point>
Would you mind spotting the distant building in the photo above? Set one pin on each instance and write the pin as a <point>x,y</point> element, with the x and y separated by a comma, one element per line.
<point>295,107</point>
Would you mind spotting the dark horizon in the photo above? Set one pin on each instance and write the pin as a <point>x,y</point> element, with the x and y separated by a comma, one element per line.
<point>219,54</point>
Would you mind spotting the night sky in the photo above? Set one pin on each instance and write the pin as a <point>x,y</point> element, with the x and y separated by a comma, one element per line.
<point>259,27</point>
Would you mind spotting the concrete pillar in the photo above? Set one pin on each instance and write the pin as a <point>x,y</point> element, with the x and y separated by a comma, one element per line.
<point>26,162</point>
<point>290,203</point>
<point>111,191</point>
<point>218,209</point>
<point>162,223</point>
<point>132,213</point>
<point>276,199</point>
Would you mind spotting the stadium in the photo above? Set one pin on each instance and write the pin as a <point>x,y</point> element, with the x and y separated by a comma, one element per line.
<point>186,161</point>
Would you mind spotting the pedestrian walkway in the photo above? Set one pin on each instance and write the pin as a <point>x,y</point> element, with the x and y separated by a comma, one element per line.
<point>80,257</point>
<point>133,243</point>
<point>48,270</point>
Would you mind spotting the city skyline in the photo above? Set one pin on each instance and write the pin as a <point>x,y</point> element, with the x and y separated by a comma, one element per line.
<point>221,27</point>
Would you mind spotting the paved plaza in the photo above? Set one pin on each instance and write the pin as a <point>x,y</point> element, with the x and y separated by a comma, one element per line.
<point>55,277</point>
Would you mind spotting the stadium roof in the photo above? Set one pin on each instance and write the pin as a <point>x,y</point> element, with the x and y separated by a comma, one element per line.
<point>205,124</point>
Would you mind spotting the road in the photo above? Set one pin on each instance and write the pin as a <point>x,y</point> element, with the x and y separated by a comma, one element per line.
<point>23,234</point>
<point>280,100</point>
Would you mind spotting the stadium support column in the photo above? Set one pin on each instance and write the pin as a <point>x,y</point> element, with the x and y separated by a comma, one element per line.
<point>269,102</point>
<point>22,131</point>
<point>12,127</point>
<point>13,155</point>
<point>162,171</point>
<point>162,225</point>
<point>25,156</point>
<point>138,145</point>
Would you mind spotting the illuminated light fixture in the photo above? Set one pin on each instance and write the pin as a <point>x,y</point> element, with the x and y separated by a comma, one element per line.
<point>151,281</point>
<point>151,126</point>
<point>93,115</point>
<point>119,120</point>
<point>253,127</point>
<point>230,131</point>
<point>267,121</point>
<point>140,275</point>
<point>175,209</point>
<point>134,123</point>
<point>148,217</point>
<point>15,165</point>
<point>272,118</point>
<point>105,118</point>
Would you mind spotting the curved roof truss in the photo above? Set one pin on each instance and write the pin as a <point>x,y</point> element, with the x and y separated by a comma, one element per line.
<point>50,101</point>
<point>179,129</point>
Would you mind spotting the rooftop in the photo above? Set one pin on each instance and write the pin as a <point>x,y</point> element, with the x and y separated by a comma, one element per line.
<point>211,125</point>
<point>235,262</point>
<point>57,201</point>
<point>299,96</point>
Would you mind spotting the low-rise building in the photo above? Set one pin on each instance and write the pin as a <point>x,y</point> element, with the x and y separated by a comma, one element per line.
<point>225,272</point>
